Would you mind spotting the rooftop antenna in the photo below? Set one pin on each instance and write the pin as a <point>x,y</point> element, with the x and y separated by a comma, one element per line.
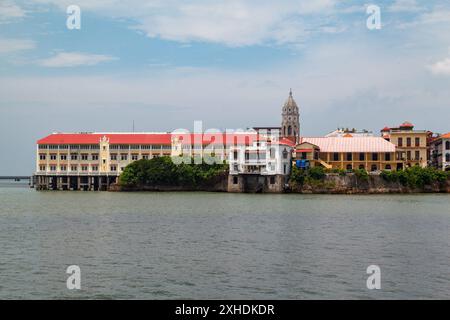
<point>133,125</point>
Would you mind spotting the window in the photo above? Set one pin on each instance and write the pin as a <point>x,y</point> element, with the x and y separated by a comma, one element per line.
<point>375,156</point>
<point>146,147</point>
<point>73,157</point>
<point>113,168</point>
<point>53,157</point>
<point>135,146</point>
<point>236,167</point>
<point>145,156</point>
<point>400,142</point>
<point>387,157</point>
<point>113,156</point>
<point>84,157</point>
<point>349,156</point>
<point>95,157</point>
<point>447,157</point>
<point>84,168</point>
<point>335,156</point>
<point>63,157</point>
<point>63,168</point>
<point>284,169</point>
<point>73,168</point>
<point>388,167</point>
<point>114,147</point>
<point>272,153</point>
<point>123,157</point>
<point>417,155</point>
<point>447,145</point>
<point>52,168</point>
<point>408,155</point>
<point>42,157</point>
<point>235,180</point>
<point>374,167</point>
<point>94,168</point>
<point>134,157</point>
<point>362,156</point>
<point>408,142</point>
<point>285,154</point>
<point>417,142</point>
<point>42,168</point>
<point>362,167</point>
<point>349,167</point>
<point>272,180</point>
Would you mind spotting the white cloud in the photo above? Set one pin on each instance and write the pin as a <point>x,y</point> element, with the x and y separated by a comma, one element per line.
<point>13,45</point>
<point>229,22</point>
<point>74,59</point>
<point>404,6</point>
<point>441,67</point>
<point>9,11</point>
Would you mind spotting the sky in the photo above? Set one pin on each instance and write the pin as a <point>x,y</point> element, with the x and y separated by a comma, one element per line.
<point>163,64</point>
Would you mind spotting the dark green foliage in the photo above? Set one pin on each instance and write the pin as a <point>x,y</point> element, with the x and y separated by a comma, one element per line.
<point>299,176</point>
<point>362,174</point>
<point>416,177</point>
<point>163,171</point>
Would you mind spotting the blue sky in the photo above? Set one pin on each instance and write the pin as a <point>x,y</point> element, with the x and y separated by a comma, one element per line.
<point>229,63</point>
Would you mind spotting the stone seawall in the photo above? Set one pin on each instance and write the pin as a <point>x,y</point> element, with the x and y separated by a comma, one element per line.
<point>331,184</point>
<point>375,184</point>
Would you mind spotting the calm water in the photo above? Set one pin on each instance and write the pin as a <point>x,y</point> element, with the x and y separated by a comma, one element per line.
<point>222,246</point>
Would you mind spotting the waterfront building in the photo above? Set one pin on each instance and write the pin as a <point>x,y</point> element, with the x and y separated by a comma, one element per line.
<point>262,166</point>
<point>348,153</point>
<point>440,152</point>
<point>94,161</point>
<point>412,145</point>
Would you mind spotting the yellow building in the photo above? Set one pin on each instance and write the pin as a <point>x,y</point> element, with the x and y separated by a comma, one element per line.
<point>412,145</point>
<point>348,153</point>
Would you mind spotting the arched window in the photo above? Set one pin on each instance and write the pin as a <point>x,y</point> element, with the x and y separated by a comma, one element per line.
<point>388,167</point>
<point>284,131</point>
<point>361,166</point>
<point>447,157</point>
<point>447,145</point>
<point>374,167</point>
<point>349,167</point>
<point>289,130</point>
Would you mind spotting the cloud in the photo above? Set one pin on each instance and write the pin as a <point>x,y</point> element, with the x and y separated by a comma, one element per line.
<point>13,45</point>
<point>9,11</point>
<point>75,59</point>
<point>441,67</point>
<point>230,22</point>
<point>405,6</point>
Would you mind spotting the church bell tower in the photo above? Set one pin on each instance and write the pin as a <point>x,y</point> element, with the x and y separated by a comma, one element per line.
<point>290,123</point>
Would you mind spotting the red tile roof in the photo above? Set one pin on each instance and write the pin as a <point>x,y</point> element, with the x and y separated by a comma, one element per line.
<point>445,136</point>
<point>148,138</point>
<point>114,138</point>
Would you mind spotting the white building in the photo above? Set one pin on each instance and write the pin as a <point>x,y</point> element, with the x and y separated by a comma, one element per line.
<point>440,152</point>
<point>263,157</point>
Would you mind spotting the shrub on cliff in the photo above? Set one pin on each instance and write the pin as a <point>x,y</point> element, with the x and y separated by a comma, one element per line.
<point>163,171</point>
<point>416,177</point>
<point>362,174</point>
